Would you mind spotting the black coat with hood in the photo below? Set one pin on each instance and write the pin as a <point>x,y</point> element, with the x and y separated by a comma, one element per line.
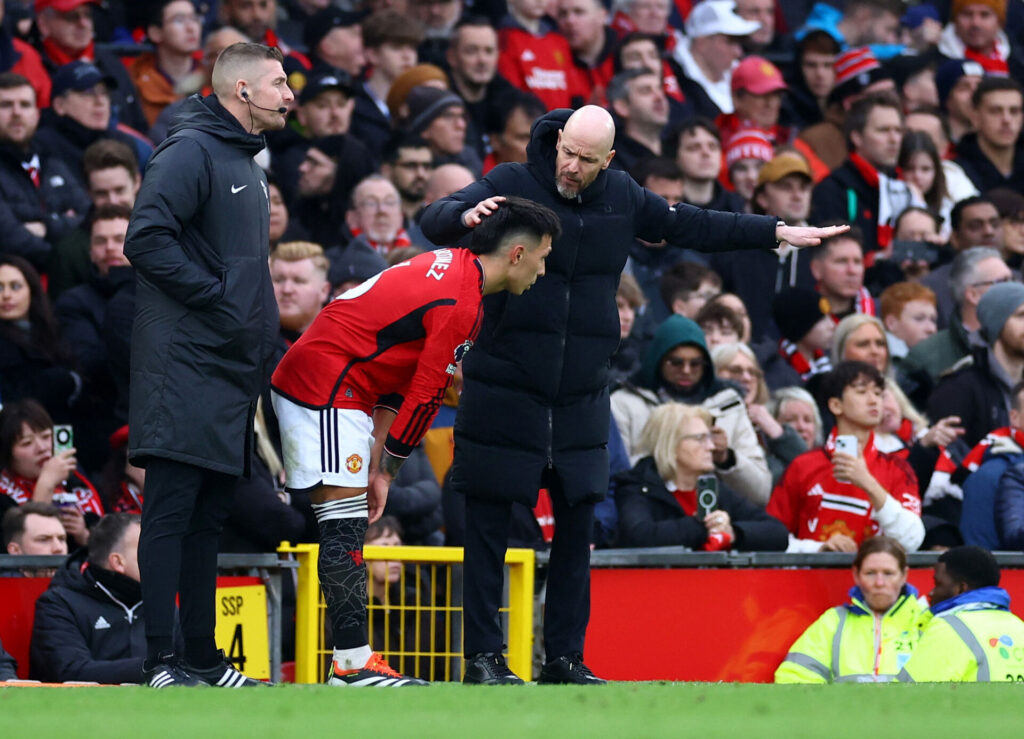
<point>536,382</point>
<point>206,319</point>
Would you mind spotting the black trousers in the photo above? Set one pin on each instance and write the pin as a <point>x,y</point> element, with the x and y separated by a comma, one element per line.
<point>182,516</point>
<point>567,609</point>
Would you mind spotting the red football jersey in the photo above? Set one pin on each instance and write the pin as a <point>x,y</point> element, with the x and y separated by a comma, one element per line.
<point>393,341</point>
<point>541,65</point>
<point>814,505</point>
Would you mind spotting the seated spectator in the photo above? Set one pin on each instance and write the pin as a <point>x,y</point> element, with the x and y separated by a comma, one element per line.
<point>88,624</point>
<point>865,190</point>
<point>975,32</point>
<point>908,434</point>
<point>355,264</point>
<point>626,360</point>
<point>697,148</point>
<point>657,499</point>
<point>112,177</point>
<point>1011,211</point>
<point>438,21</point>
<point>914,224</point>
<point>677,367</point>
<point>18,57</point>
<point>584,23</point>
<point>746,152</point>
<point>908,311</point>
<point>838,267</point>
<point>123,485</point>
<point>67,34</point>
<point>870,638</point>
<point>833,501</point>
<point>687,287</point>
<point>719,323</point>
<point>279,220</point>
<point>958,642</point>
<point>708,52</point>
<point>298,270</point>
<point>932,121</point>
<point>375,215</point>
<point>812,78</point>
<point>807,328</point>
<point>40,201</point>
<point>956,81</point>
<point>914,76</point>
<point>921,165</point>
<point>509,133</point>
<point>29,469</point>
<point>734,303</point>
<point>535,58</point>
<point>408,163</point>
<point>783,190</point>
<point>34,361</point>
<point>640,105</point>
<point>34,528</point>
<point>175,29</point>
<point>639,50</point>
<point>861,338</point>
<point>974,271</point>
<point>794,406</point>
<point>422,75</point>
<point>258,20</point>
<point>978,389</point>
<point>782,444</point>
<point>443,181</point>
<point>992,156</point>
<point>439,117</point>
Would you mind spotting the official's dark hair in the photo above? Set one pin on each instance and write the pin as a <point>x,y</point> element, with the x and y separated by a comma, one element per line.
<point>403,140</point>
<point>107,535</point>
<point>44,334</point>
<point>972,565</point>
<point>956,216</point>
<point>13,524</point>
<point>848,373</point>
<point>107,154</point>
<point>994,84</point>
<point>880,544</point>
<point>857,116</point>
<point>684,278</point>
<point>11,80</point>
<point>515,219</point>
<point>18,413</point>
<point>109,212</point>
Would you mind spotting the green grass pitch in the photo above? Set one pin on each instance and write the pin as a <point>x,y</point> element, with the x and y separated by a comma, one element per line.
<point>617,710</point>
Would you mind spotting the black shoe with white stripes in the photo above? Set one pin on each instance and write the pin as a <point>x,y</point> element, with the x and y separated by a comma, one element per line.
<point>223,675</point>
<point>568,670</point>
<point>167,673</point>
<point>376,673</point>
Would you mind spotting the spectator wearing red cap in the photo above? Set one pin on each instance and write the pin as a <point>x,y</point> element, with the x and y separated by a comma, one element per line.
<point>857,73</point>
<point>757,90</point>
<point>18,57</point>
<point>745,153</point>
<point>975,33</point>
<point>67,34</point>
<point>638,100</point>
<point>708,54</point>
<point>537,59</point>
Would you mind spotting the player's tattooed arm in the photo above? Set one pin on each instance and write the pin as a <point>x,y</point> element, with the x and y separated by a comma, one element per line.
<point>390,464</point>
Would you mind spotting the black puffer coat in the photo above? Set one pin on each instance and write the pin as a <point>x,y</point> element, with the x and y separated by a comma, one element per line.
<point>206,319</point>
<point>536,390</point>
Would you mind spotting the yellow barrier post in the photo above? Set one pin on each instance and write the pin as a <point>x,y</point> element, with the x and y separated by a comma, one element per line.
<point>312,656</point>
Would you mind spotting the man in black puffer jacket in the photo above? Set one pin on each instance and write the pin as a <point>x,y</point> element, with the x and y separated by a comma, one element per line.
<point>205,328</point>
<point>534,411</point>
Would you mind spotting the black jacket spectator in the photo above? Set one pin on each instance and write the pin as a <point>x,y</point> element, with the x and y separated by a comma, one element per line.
<point>8,667</point>
<point>88,626</point>
<point>971,391</point>
<point>536,392</point>
<point>59,202</point>
<point>204,296</point>
<point>650,516</point>
<point>845,193</point>
<point>1009,509</point>
<point>983,173</point>
<point>66,139</point>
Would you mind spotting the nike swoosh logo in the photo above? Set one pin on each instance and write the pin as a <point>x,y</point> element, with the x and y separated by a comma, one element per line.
<point>236,190</point>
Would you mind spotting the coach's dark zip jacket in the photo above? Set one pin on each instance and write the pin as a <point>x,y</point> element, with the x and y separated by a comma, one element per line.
<point>206,319</point>
<point>536,390</point>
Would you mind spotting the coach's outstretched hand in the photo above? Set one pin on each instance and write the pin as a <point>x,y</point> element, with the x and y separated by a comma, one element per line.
<point>472,217</point>
<point>805,235</point>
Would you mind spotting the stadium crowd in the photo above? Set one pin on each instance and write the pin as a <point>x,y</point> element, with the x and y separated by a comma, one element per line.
<point>747,371</point>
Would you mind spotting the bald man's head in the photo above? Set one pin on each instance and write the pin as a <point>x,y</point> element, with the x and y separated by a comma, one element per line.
<point>445,180</point>
<point>584,149</point>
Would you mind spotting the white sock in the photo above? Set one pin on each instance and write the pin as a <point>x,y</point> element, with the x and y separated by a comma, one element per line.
<point>352,659</point>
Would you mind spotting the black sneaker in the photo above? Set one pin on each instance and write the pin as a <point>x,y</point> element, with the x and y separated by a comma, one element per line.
<point>568,670</point>
<point>167,673</point>
<point>489,668</point>
<point>223,675</point>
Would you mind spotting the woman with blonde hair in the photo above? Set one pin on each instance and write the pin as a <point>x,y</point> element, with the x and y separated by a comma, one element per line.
<point>861,338</point>
<point>657,499</point>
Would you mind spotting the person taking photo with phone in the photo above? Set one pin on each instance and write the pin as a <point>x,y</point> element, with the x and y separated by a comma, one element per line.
<point>672,497</point>
<point>833,498</point>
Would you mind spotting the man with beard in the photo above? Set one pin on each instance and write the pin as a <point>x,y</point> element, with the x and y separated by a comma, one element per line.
<point>408,163</point>
<point>540,365</point>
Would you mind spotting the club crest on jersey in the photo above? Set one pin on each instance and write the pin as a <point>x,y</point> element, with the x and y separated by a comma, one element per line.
<point>462,349</point>
<point>354,463</point>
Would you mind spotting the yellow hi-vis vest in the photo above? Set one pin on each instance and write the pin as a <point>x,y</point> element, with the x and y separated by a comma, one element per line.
<point>852,643</point>
<point>973,643</point>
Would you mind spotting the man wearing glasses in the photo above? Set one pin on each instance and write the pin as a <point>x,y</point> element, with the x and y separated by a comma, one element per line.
<point>175,29</point>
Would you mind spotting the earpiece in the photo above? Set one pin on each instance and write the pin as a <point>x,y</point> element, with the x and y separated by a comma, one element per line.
<point>245,93</point>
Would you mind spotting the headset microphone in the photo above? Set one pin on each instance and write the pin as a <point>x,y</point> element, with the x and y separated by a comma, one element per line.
<point>245,95</point>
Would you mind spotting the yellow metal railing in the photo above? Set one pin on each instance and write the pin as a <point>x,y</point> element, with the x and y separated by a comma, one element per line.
<point>416,622</point>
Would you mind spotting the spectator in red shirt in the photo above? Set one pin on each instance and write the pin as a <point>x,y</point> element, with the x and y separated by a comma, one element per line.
<point>831,500</point>
<point>18,57</point>
<point>584,23</point>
